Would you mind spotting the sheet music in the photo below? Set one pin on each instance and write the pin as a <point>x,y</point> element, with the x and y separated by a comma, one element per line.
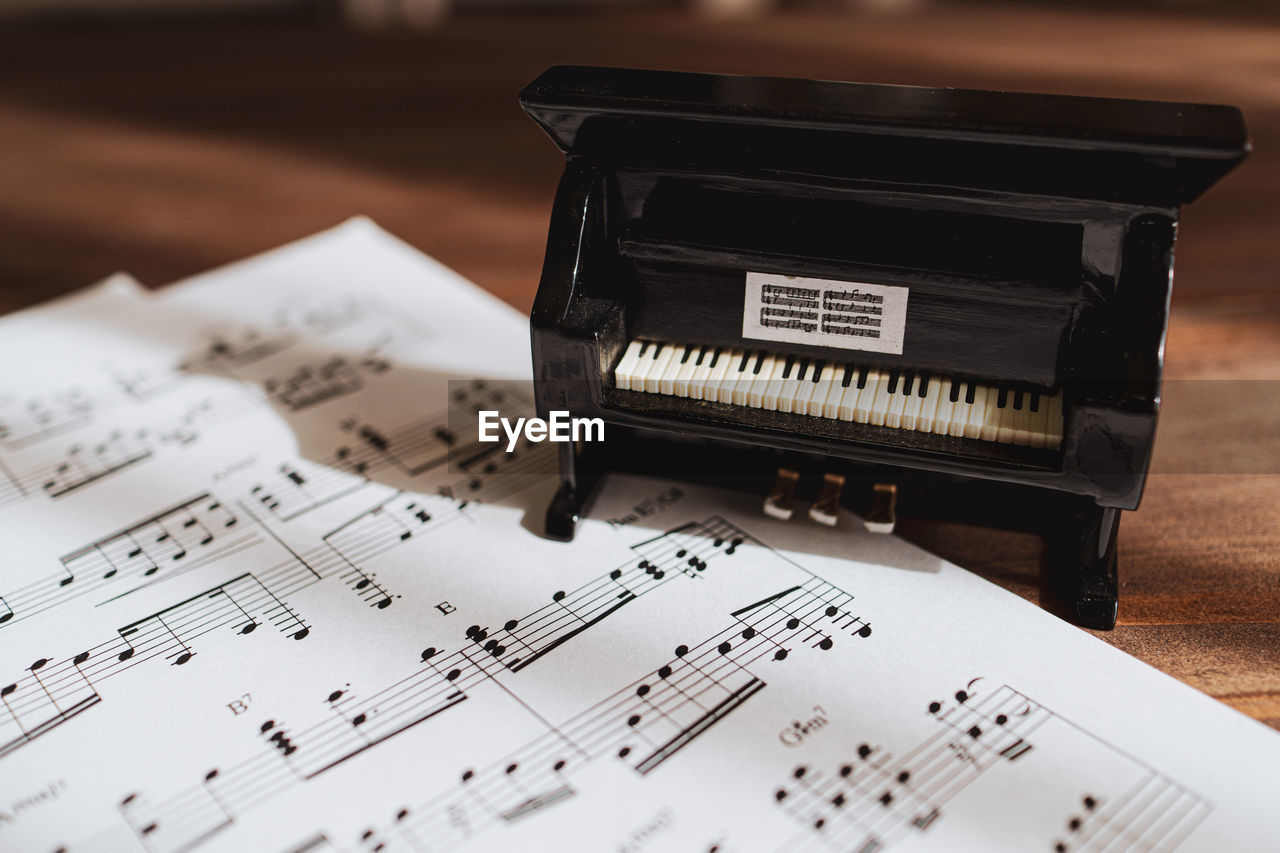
<point>261,592</point>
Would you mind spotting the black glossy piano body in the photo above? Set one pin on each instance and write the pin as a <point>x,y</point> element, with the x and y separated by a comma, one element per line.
<point>1034,234</point>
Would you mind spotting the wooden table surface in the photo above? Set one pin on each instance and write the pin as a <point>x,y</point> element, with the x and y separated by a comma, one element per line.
<point>166,150</point>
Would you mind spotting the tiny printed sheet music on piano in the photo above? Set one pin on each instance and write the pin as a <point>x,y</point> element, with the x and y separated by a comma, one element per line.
<point>261,592</point>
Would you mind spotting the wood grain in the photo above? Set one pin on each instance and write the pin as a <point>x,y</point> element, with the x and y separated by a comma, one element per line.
<point>165,151</point>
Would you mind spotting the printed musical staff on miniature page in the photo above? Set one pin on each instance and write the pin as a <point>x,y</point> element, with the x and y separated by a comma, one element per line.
<point>263,589</point>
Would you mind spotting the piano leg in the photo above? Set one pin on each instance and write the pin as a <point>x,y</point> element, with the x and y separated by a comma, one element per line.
<point>1079,580</point>
<point>578,481</point>
<point>1082,564</point>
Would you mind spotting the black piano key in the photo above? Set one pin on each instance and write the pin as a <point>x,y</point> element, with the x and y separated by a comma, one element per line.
<point>644,347</point>
<point>924,385</point>
<point>1002,399</point>
<point>688,351</point>
<point>702,353</point>
<point>804,368</point>
<point>955,391</point>
<point>969,393</point>
<point>848,376</point>
<point>1035,402</point>
<point>893,382</point>
<point>786,370</point>
<point>715,356</point>
<point>817,370</point>
<point>862,377</point>
<point>909,378</point>
<point>1017,400</point>
<point>742,365</point>
<point>759,361</point>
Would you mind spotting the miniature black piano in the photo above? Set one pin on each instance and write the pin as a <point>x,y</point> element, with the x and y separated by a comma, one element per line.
<point>933,302</point>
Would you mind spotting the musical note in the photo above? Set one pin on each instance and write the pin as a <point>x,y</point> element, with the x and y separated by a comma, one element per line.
<point>309,386</point>
<point>684,551</point>
<point>494,472</point>
<point>649,721</point>
<point>425,445</point>
<point>375,531</point>
<point>44,699</point>
<point>302,487</point>
<point>180,538</point>
<point>146,383</point>
<point>84,466</point>
<point>872,799</point>
<point>42,418</point>
<point>232,350</point>
<point>51,694</point>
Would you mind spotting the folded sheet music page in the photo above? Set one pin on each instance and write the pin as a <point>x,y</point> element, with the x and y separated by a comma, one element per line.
<point>260,591</point>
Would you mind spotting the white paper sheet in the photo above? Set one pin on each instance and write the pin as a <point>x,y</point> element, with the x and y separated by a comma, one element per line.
<point>260,594</point>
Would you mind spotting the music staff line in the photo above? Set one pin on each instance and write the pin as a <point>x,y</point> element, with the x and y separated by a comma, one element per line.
<point>426,444</point>
<point>271,585</point>
<point>54,693</point>
<point>643,724</point>
<point>80,465</point>
<point>445,681</point>
<point>45,418</point>
<point>351,726</point>
<point>175,540</point>
<point>428,454</point>
<point>874,800</point>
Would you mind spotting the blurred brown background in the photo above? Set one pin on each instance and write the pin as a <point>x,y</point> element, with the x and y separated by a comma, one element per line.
<point>166,139</point>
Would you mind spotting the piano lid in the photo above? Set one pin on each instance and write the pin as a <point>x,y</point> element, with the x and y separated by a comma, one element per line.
<point>1148,152</point>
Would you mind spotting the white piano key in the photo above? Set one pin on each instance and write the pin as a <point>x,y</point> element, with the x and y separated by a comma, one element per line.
<point>1005,423</point>
<point>862,407</point>
<point>794,384</point>
<point>879,401</point>
<point>1028,419</point>
<point>701,373</point>
<point>1037,420</point>
<point>821,389</point>
<point>724,392</point>
<point>746,378</point>
<point>897,400</point>
<point>653,377</point>
<point>666,382</point>
<point>816,388</point>
<point>627,365</point>
<point>946,408</point>
<point>760,381</point>
<point>960,413</point>
<point>680,387</point>
<point>911,405</point>
<point>813,387</point>
<point>647,358</point>
<point>849,396</point>
<point>929,405</point>
<point>769,395</point>
<point>807,389</point>
<point>977,422</point>
<point>831,405</point>
<point>1054,424</point>
<point>720,374</point>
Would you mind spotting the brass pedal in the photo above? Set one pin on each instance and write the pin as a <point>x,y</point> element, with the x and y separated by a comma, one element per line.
<point>781,502</point>
<point>825,508</point>
<point>882,516</point>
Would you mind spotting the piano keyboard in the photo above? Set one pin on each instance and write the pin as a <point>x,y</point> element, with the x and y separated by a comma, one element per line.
<point>845,391</point>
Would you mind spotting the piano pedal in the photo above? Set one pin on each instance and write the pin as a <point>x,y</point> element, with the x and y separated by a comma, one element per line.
<point>825,508</point>
<point>882,517</point>
<point>781,502</point>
